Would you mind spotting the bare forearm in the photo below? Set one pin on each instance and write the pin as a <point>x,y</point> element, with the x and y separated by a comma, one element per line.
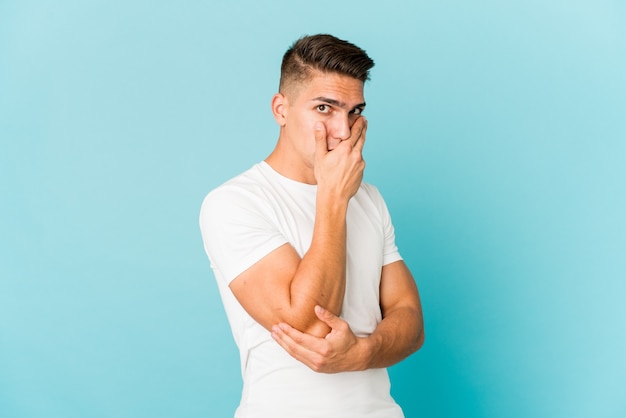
<point>399,334</point>
<point>320,277</point>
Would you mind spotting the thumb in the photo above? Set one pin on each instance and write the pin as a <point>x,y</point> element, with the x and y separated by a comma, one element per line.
<point>321,146</point>
<point>327,317</point>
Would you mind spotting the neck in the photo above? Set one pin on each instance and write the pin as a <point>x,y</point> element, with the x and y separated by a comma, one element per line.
<point>288,163</point>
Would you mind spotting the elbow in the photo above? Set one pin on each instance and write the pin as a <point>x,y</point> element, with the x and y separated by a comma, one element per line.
<point>317,328</point>
<point>419,331</point>
<point>305,320</point>
<point>419,342</point>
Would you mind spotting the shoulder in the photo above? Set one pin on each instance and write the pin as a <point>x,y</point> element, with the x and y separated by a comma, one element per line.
<point>243,201</point>
<point>369,192</point>
<point>371,200</point>
<point>241,190</point>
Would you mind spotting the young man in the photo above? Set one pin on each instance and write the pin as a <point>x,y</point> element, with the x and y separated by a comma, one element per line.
<point>317,295</point>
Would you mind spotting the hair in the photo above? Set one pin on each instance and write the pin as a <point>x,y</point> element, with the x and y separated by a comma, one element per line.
<point>324,53</point>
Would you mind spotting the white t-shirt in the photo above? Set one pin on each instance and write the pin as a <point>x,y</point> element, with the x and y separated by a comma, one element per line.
<point>244,220</point>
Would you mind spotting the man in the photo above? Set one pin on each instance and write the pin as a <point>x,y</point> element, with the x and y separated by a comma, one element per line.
<point>316,293</point>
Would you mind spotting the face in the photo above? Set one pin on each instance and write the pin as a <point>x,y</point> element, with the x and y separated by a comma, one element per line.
<point>335,100</point>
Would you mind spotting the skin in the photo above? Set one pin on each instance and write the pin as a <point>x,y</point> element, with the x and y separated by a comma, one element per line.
<point>321,139</point>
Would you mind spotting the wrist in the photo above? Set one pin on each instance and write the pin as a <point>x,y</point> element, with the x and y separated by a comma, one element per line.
<point>330,194</point>
<point>365,350</point>
<point>331,206</point>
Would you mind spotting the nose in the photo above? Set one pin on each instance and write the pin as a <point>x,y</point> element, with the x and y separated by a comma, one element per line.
<point>340,128</point>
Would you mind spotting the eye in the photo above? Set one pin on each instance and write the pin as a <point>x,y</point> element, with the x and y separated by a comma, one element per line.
<point>357,111</point>
<point>323,108</point>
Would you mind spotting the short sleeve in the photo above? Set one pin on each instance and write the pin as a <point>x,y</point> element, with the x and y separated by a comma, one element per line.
<point>238,230</point>
<point>390,250</point>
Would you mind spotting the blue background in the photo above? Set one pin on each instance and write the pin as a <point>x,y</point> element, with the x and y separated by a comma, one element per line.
<point>497,135</point>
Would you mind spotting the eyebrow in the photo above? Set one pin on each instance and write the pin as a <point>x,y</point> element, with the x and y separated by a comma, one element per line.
<point>337,103</point>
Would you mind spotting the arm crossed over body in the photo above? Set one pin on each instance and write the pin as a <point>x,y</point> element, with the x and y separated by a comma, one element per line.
<point>299,299</point>
<point>283,287</point>
<point>398,335</point>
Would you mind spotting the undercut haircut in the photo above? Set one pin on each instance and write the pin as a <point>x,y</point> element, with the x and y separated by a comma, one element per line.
<point>326,54</point>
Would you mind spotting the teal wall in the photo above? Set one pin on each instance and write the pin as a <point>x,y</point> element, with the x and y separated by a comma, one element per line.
<point>497,135</point>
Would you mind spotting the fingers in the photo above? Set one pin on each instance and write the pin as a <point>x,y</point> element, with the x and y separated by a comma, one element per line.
<point>333,321</point>
<point>295,339</point>
<point>292,348</point>
<point>303,347</point>
<point>359,141</point>
<point>327,355</point>
<point>321,144</point>
<point>339,169</point>
<point>357,133</point>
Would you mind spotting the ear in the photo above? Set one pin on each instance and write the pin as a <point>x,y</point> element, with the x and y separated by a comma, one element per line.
<point>280,106</point>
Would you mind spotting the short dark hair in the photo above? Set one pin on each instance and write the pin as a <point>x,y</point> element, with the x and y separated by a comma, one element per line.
<point>324,53</point>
